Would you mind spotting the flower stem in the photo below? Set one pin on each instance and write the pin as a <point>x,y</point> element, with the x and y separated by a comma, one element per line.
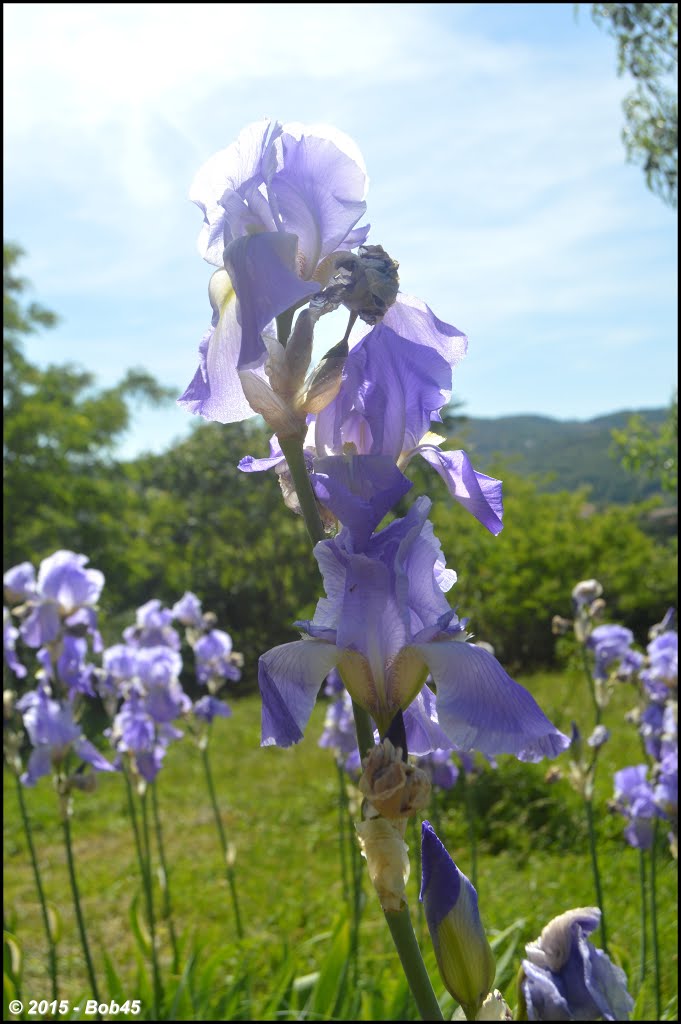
<point>148,879</point>
<point>401,929</point>
<point>292,449</point>
<point>653,921</point>
<point>644,915</point>
<point>167,908</point>
<point>399,923</point>
<point>470,817</point>
<point>76,902</point>
<point>596,873</point>
<point>342,815</point>
<point>229,870</point>
<point>592,686</point>
<point>51,945</point>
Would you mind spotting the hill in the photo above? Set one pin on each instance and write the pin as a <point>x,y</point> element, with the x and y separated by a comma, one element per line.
<point>566,454</point>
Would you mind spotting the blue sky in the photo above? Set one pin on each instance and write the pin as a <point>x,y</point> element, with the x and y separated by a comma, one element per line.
<point>491,134</point>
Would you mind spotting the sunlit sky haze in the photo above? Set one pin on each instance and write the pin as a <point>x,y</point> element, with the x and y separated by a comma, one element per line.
<point>491,133</point>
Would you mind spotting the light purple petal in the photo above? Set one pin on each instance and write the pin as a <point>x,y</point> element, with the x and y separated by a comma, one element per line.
<point>42,626</point>
<point>391,389</point>
<point>422,727</point>
<point>237,171</point>
<point>479,494</point>
<point>216,392</point>
<point>318,191</point>
<point>262,269</point>
<point>360,490</point>
<point>39,764</point>
<point>481,708</point>
<point>411,318</point>
<point>20,582</point>
<point>289,677</point>
<point>86,751</point>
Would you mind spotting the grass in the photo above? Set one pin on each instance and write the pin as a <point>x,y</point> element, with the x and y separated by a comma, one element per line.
<point>280,810</point>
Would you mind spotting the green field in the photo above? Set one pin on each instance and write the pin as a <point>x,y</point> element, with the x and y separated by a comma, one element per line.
<point>280,808</point>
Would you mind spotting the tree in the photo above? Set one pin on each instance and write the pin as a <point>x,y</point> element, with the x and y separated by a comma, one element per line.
<point>647,48</point>
<point>63,487</point>
<point>653,452</point>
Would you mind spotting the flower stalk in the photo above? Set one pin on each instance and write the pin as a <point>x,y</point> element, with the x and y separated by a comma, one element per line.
<point>66,826</point>
<point>51,945</point>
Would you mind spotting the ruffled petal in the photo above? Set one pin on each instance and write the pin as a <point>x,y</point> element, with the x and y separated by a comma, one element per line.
<point>318,189</point>
<point>360,490</point>
<point>289,678</point>
<point>263,270</point>
<point>413,319</point>
<point>479,494</point>
<point>481,708</point>
<point>230,177</point>
<point>216,392</point>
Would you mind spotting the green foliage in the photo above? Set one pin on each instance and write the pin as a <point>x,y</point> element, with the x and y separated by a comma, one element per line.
<point>566,454</point>
<point>280,809</point>
<point>512,585</point>
<point>647,49</point>
<point>62,485</point>
<point>653,453</point>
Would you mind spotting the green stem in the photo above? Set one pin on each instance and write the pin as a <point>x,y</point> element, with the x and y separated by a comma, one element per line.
<point>342,816</point>
<point>292,449</point>
<point>592,686</point>
<point>167,907</point>
<point>399,923</point>
<point>148,887</point>
<point>596,873</point>
<point>76,902</point>
<point>644,915</point>
<point>364,729</point>
<point>472,838</point>
<point>52,949</point>
<point>653,921</point>
<point>229,871</point>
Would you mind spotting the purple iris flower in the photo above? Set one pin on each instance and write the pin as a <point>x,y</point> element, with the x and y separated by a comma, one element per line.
<point>395,382</point>
<point>386,624</point>
<point>188,610</point>
<point>634,798</point>
<point>215,657</point>
<point>277,204</point>
<point>440,768</point>
<point>609,643</point>
<point>663,662</point>
<point>10,635</point>
<point>207,708</point>
<point>567,978</point>
<point>136,732</point>
<point>340,734</point>
<point>153,627</point>
<point>63,596</point>
<point>53,735</point>
<point>666,793</point>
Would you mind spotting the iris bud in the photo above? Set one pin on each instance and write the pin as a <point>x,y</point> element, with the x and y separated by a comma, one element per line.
<point>464,956</point>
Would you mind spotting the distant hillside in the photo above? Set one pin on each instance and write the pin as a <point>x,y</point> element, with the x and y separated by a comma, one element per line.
<point>567,453</point>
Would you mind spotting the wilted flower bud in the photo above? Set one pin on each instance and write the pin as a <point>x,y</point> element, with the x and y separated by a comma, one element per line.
<point>586,592</point>
<point>395,789</point>
<point>597,607</point>
<point>598,737</point>
<point>560,626</point>
<point>369,282</point>
<point>464,957</point>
